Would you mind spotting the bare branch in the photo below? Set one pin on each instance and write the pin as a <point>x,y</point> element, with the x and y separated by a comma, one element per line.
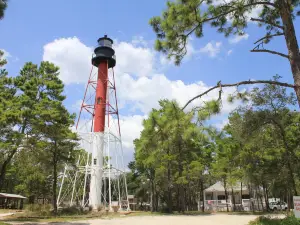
<point>267,22</point>
<point>238,84</point>
<point>268,36</point>
<point>271,52</point>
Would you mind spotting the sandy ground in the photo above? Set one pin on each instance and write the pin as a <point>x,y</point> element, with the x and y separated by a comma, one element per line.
<point>178,220</point>
<point>216,219</point>
<point>5,214</point>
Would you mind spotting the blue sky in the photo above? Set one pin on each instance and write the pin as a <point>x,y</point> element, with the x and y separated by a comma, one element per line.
<point>30,28</point>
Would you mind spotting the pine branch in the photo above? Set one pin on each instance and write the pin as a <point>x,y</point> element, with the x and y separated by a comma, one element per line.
<point>271,52</point>
<point>228,12</point>
<point>219,85</point>
<point>267,22</point>
<point>268,36</point>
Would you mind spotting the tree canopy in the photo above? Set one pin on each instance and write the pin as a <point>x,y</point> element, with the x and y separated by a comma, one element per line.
<point>184,18</point>
<point>35,130</point>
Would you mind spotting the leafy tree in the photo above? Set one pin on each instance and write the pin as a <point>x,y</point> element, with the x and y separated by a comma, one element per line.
<point>8,115</point>
<point>29,175</point>
<point>34,119</point>
<point>171,155</point>
<point>266,131</point>
<point>32,94</point>
<point>3,6</point>
<point>59,143</point>
<point>53,125</point>
<point>182,18</point>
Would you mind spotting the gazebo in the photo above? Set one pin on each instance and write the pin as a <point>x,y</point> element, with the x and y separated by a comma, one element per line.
<point>11,201</point>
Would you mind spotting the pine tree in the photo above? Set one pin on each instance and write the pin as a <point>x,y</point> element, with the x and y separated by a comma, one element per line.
<point>183,18</point>
<point>3,6</point>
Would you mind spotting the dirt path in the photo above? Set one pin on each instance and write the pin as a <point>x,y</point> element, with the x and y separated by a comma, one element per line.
<point>179,220</point>
<point>218,219</point>
<point>215,219</point>
<point>5,214</point>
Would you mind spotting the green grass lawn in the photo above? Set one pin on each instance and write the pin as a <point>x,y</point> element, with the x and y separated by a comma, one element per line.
<point>1,223</point>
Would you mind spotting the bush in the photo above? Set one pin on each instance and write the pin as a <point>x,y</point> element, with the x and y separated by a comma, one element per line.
<point>72,210</point>
<point>290,220</point>
<point>39,209</point>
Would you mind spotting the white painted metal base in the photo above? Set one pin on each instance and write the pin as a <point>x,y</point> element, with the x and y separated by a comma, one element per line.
<point>96,170</point>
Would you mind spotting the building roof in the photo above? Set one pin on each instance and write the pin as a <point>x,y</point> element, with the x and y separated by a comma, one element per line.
<point>5,195</point>
<point>220,187</point>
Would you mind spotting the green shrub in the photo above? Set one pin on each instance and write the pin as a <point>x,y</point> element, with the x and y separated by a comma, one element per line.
<point>290,220</point>
<point>72,210</point>
<point>39,209</point>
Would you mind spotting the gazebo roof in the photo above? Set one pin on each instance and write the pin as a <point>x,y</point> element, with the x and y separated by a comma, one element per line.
<point>5,195</point>
<point>220,187</point>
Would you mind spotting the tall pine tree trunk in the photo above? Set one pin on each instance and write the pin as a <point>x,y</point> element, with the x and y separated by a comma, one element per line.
<point>4,167</point>
<point>152,197</point>
<point>226,194</point>
<point>202,192</point>
<point>54,178</point>
<point>10,156</point>
<point>292,43</point>
<point>241,194</point>
<point>233,199</point>
<point>170,202</point>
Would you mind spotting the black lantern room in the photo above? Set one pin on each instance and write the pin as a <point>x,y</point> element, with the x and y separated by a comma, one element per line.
<point>104,52</point>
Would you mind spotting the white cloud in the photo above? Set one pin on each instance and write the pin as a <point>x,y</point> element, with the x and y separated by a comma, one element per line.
<point>131,127</point>
<point>139,41</point>
<point>136,60</point>
<point>229,52</point>
<point>145,92</point>
<point>212,49</point>
<point>73,58</point>
<point>238,38</point>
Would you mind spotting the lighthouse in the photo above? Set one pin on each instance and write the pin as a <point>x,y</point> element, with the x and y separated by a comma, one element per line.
<point>99,179</point>
<point>103,59</point>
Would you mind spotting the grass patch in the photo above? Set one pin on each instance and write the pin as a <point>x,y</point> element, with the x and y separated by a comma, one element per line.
<point>25,217</point>
<point>290,220</point>
<point>7,210</point>
<point>1,223</point>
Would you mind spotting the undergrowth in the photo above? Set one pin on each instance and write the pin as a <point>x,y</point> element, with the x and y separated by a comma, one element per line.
<point>290,220</point>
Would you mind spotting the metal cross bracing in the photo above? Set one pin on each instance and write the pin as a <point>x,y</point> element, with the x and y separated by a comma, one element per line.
<point>88,102</point>
<point>75,180</point>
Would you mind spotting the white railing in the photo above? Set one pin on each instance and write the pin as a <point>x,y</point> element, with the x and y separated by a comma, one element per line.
<point>220,205</point>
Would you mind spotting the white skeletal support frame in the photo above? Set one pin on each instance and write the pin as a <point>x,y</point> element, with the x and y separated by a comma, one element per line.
<point>98,180</point>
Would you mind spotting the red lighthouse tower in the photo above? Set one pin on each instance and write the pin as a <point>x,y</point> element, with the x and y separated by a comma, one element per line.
<point>104,59</point>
